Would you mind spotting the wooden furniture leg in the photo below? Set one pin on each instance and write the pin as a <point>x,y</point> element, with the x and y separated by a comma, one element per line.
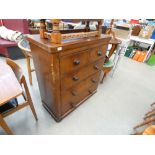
<point>152,104</point>
<point>28,60</point>
<point>5,126</point>
<point>105,71</point>
<point>33,110</point>
<point>149,130</point>
<point>145,122</point>
<point>29,99</point>
<point>137,133</point>
<point>103,77</point>
<point>149,114</point>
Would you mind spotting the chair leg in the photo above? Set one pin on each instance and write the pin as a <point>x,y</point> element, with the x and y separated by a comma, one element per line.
<point>152,104</point>
<point>137,133</point>
<point>33,110</point>
<point>5,126</point>
<point>145,122</point>
<point>150,114</point>
<point>29,99</point>
<point>104,75</point>
<point>28,60</point>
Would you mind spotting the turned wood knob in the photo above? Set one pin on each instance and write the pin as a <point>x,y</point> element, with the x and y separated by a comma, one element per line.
<point>75,78</point>
<point>93,81</point>
<point>76,62</point>
<point>99,53</point>
<point>74,93</point>
<point>96,67</point>
<point>90,91</point>
<point>72,105</point>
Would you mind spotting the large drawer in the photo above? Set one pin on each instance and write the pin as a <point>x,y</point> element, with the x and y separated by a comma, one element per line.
<point>79,92</point>
<point>98,52</point>
<point>76,76</point>
<point>72,62</point>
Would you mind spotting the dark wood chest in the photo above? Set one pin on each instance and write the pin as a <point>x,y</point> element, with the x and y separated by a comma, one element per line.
<point>67,73</point>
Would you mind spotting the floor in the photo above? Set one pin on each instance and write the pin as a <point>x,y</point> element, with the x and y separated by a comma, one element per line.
<point>119,104</point>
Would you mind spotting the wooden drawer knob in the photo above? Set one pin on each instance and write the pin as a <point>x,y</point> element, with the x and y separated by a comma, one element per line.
<point>76,62</point>
<point>90,91</point>
<point>75,78</point>
<point>99,53</point>
<point>96,67</point>
<point>93,80</point>
<point>72,105</point>
<point>74,93</point>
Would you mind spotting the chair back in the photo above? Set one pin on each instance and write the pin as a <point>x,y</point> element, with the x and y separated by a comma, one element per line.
<point>25,47</point>
<point>16,69</point>
<point>20,77</point>
<point>114,44</point>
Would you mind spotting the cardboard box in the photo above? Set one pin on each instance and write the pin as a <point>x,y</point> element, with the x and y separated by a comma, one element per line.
<point>147,32</point>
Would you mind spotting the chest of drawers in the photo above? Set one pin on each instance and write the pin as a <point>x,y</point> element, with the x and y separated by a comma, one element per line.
<point>67,73</point>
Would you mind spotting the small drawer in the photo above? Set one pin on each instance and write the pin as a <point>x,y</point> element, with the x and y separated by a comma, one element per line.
<point>76,76</point>
<point>73,96</point>
<point>98,52</point>
<point>74,61</point>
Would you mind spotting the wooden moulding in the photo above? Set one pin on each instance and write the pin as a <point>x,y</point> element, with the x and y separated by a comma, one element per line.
<point>74,35</point>
<point>99,28</point>
<point>42,29</point>
<point>56,35</point>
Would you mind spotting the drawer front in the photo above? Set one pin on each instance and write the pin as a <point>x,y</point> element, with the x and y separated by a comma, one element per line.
<point>98,52</point>
<point>70,80</point>
<point>74,61</point>
<point>78,93</point>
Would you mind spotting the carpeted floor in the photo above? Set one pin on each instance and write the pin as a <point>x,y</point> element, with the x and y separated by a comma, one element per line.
<point>118,105</point>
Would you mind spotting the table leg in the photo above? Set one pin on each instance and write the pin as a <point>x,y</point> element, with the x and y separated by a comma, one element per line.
<point>5,126</point>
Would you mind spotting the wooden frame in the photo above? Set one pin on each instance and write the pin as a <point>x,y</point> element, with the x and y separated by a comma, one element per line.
<point>28,56</point>
<point>26,95</point>
<point>56,36</point>
<point>115,43</point>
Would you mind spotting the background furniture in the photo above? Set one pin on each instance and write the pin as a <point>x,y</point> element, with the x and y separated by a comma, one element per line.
<point>149,118</point>
<point>109,63</point>
<point>24,46</point>
<point>146,41</point>
<point>33,26</point>
<point>149,130</point>
<point>10,48</point>
<point>11,89</point>
<point>68,67</point>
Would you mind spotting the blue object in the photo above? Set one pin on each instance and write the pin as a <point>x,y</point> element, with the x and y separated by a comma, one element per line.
<point>153,35</point>
<point>151,23</point>
<point>9,105</point>
<point>107,22</point>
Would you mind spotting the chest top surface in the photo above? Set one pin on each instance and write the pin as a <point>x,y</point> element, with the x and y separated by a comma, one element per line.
<point>66,44</point>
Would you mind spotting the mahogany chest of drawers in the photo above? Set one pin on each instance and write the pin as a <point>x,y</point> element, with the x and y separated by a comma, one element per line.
<point>67,73</point>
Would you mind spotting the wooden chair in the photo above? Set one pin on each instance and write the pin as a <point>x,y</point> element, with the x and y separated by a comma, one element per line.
<point>114,42</point>
<point>149,130</point>
<point>109,64</point>
<point>26,95</point>
<point>24,46</point>
<point>149,118</point>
